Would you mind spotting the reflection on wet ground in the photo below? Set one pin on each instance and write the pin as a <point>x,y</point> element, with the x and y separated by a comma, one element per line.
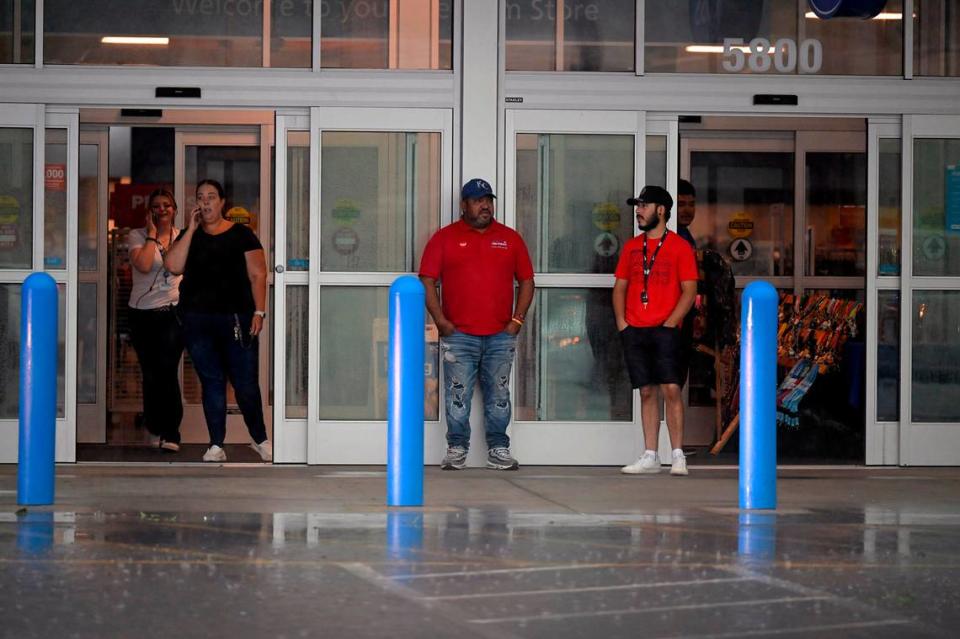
<point>488,556</point>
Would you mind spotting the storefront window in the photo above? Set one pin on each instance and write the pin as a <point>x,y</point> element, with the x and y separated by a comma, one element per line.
<point>353,355</point>
<point>592,35</point>
<point>571,199</point>
<point>386,34</point>
<point>936,37</point>
<point>570,364</point>
<point>55,200</point>
<point>178,33</point>
<point>936,207</point>
<point>297,350</point>
<point>936,356</point>
<point>298,200</point>
<point>379,199</point>
<point>88,207</point>
<point>656,154</point>
<point>16,198</point>
<point>17,20</point>
<point>10,301</point>
<point>9,350</point>
<point>769,37</point>
<point>888,356</point>
<point>745,195</point>
<point>87,343</point>
<point>836,214</point>
<point>889,194</point>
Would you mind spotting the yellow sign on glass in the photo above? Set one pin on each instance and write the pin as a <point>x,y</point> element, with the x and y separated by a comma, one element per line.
<point>740,225</point>
<point>606,216</point>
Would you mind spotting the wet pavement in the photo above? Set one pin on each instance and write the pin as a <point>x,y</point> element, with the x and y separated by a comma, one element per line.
<point>545,552</point>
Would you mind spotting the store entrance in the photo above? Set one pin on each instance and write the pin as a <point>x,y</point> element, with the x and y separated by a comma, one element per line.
<point>782,200</point>
<point>124,156</point>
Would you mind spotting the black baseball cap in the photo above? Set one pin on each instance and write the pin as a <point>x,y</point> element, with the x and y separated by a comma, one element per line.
<point>652,195</point>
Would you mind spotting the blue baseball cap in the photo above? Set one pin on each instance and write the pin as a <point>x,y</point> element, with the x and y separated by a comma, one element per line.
<point>476,188</point>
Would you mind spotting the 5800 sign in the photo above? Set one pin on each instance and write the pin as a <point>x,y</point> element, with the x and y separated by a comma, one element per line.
<point>783,55</point>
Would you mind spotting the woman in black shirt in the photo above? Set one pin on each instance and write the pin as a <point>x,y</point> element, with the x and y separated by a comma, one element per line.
<point>222,300</point>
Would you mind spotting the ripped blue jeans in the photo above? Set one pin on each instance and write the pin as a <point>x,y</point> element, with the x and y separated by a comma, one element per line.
<point>464,357</point>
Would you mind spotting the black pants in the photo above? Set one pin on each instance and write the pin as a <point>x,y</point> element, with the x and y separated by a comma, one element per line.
<point>219,354</point>
<point>158,340</point>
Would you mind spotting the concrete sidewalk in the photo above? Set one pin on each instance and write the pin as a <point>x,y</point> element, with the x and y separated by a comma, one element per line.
<point>543,552</point>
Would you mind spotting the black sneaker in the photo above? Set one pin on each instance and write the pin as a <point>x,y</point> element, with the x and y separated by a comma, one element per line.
<point>455,459</point>
<point>499,458</point>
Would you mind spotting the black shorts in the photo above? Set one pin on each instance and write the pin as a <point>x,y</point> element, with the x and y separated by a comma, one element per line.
<point>653,355</point>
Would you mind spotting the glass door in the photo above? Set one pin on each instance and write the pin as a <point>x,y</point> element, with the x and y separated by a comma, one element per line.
<point>92,254</point>
<point>930,314</point>
<point>291,267</point>
<point>380,186</point>
<point>21,142</point>
<point>567,178</point>
<point>38,167</point>
<point>243,166</point>
<point>884,197</point>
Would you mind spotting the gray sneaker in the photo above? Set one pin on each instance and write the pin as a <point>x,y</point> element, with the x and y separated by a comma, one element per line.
<point>455,459</point>
<point>499,458</point>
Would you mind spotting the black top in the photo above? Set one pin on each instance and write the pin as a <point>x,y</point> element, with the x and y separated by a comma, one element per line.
<point>215,276</point>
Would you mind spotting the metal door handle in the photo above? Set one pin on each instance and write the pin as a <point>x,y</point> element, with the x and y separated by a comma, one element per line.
<point>278,268</point>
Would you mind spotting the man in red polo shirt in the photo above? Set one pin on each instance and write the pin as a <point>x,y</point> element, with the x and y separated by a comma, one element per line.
<point>477,260</point>
<point>656,284</point>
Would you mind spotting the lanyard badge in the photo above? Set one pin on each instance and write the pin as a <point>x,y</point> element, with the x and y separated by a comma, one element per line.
<point>644,297</point>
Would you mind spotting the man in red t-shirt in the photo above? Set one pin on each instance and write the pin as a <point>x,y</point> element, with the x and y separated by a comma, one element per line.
<point>656,284</point>
<point>477,261</point>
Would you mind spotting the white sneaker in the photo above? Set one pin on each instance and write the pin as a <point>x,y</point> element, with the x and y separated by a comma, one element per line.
<point>679,466</point>
<point>648,463</point>
<point>215,454</point>
<point>264,449</point>
<point>173,447</point>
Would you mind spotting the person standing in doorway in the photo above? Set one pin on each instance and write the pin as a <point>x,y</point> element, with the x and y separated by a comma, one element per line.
<point>154,327</point>
<point>656,283</point>
<point>686,210</point>
<point>223,299</point>
<point>477,260</point>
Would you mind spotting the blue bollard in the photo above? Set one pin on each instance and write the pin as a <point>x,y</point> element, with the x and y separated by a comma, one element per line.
<point>758,397</point>
<point>405,393</point>
<point>38,391</point>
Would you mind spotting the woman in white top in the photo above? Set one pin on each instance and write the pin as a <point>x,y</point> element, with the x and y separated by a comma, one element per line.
<point>155,328</point>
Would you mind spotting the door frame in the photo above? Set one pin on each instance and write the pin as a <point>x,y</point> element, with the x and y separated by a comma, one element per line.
<point>289,433</point>
<point>96,414</point>
<point>574,442</point>
<point>882,438</point>
<point>262,138</point>
<point>921,443</point>
<point>38,118</point>
<point>363,441</point>
<point>799,142</point>
<point>24,116</point>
